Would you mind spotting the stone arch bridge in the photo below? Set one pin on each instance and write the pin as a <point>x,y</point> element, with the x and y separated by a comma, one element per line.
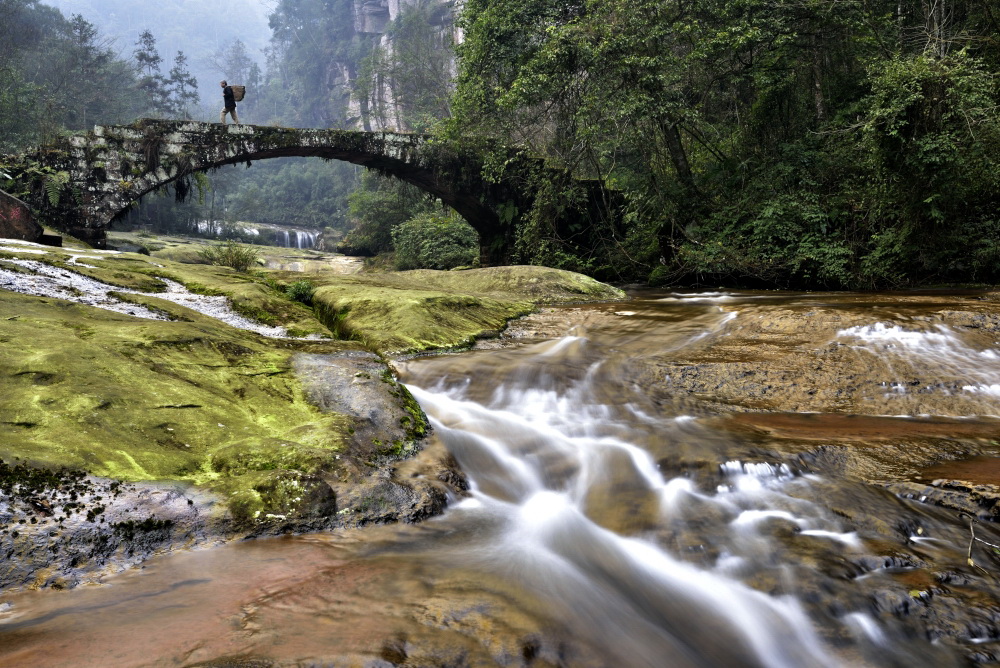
<point>83,182</point>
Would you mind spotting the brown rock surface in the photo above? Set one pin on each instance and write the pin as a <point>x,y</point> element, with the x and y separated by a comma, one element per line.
<point>16,221</point>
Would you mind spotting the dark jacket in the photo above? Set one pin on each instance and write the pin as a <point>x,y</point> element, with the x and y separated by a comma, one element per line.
<point>227,95</point>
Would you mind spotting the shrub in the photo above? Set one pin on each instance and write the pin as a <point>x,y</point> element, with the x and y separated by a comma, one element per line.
<point>378,205</point>
<point>301,291</point>
<point>231,254</point>
<point>434,241</point>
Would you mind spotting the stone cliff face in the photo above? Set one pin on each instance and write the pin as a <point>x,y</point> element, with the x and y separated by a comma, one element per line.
<point>382,107</point>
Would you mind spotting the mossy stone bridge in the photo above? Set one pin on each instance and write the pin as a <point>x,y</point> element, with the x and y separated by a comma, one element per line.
<point>83,182</point>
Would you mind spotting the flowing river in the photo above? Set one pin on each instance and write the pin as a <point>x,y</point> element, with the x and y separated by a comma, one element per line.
<point>714,479</point>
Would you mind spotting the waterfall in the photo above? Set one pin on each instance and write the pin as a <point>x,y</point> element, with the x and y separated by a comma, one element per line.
<point>305,239</point>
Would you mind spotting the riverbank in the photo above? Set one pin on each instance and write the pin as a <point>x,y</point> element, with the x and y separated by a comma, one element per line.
<point>188,403</point>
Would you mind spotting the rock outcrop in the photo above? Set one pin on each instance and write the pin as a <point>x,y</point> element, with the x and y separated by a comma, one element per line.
<point>16,221</point>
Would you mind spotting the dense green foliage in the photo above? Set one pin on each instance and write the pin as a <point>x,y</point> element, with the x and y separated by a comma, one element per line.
<point>301,291</point>
<point>56,73</point>
<point>376,207</point>
<point>434,241</point>
<point>804,143</point>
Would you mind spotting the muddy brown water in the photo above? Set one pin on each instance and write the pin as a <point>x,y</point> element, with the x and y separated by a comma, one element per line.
<point>717,479</point>
<point>982,470</point>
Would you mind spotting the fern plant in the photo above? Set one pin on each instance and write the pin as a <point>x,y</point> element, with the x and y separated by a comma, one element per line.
<point>54,182</point>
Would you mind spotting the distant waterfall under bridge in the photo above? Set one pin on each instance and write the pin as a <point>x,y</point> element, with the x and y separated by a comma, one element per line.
<point>268,235</point>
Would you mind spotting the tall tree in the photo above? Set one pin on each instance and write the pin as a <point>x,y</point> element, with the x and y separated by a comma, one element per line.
<point>152,84</point>
<point>90,80</point>
<point>182,87</point>
<point>233,62</point>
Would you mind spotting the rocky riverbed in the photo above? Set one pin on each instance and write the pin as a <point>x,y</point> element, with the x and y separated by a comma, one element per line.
<point>644,479</point>
<point>887,404</point>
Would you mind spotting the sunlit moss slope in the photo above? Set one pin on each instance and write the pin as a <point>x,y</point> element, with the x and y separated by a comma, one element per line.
<point>425,309</point>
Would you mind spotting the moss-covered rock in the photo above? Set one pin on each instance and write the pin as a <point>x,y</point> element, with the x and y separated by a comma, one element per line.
<point>420,310</point>
<point>231,432</point>
<point>144,400</point>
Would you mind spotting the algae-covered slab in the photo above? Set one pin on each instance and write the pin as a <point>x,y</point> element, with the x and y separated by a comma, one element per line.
<point>420,310</point>
<point>141,399</point>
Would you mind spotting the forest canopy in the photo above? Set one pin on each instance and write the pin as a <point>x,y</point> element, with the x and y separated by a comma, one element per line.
<point>806,143</point>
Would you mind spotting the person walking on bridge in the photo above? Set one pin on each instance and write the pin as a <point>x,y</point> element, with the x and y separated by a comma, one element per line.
<point>229,103</point>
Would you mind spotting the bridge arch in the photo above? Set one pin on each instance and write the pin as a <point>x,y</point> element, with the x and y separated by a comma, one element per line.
<point>82,182</point>
<point>113,167</point>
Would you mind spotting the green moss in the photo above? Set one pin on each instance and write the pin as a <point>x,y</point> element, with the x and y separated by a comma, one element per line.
<point>155,307</point>
<point>120,273</point>
<point>252,296</point>
<point>415,423</point>
<point>198,288</point>
<point>138,399</point>
<point>271,455</point>
<point>426,310</point>
<point>265,496</point>
<point>395,319</point>
<point>254,312</point>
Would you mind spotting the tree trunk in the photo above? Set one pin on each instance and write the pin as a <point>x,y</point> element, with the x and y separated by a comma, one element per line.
<point>817,77</point>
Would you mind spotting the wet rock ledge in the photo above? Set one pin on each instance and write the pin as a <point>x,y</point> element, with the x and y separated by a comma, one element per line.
<point>123,436</point>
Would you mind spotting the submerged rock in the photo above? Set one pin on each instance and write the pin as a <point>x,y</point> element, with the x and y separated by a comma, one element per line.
<point>58,528</point>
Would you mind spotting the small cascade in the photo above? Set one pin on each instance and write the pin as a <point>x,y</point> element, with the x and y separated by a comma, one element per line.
<point>219,229</point>
<point>933,361</point>
<point>285,237</point>
<point>545,459</point>
<point>305,239</point>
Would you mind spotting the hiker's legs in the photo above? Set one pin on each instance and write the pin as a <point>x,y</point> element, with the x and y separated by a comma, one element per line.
<point>222,116</point>
<point>232,112</point>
